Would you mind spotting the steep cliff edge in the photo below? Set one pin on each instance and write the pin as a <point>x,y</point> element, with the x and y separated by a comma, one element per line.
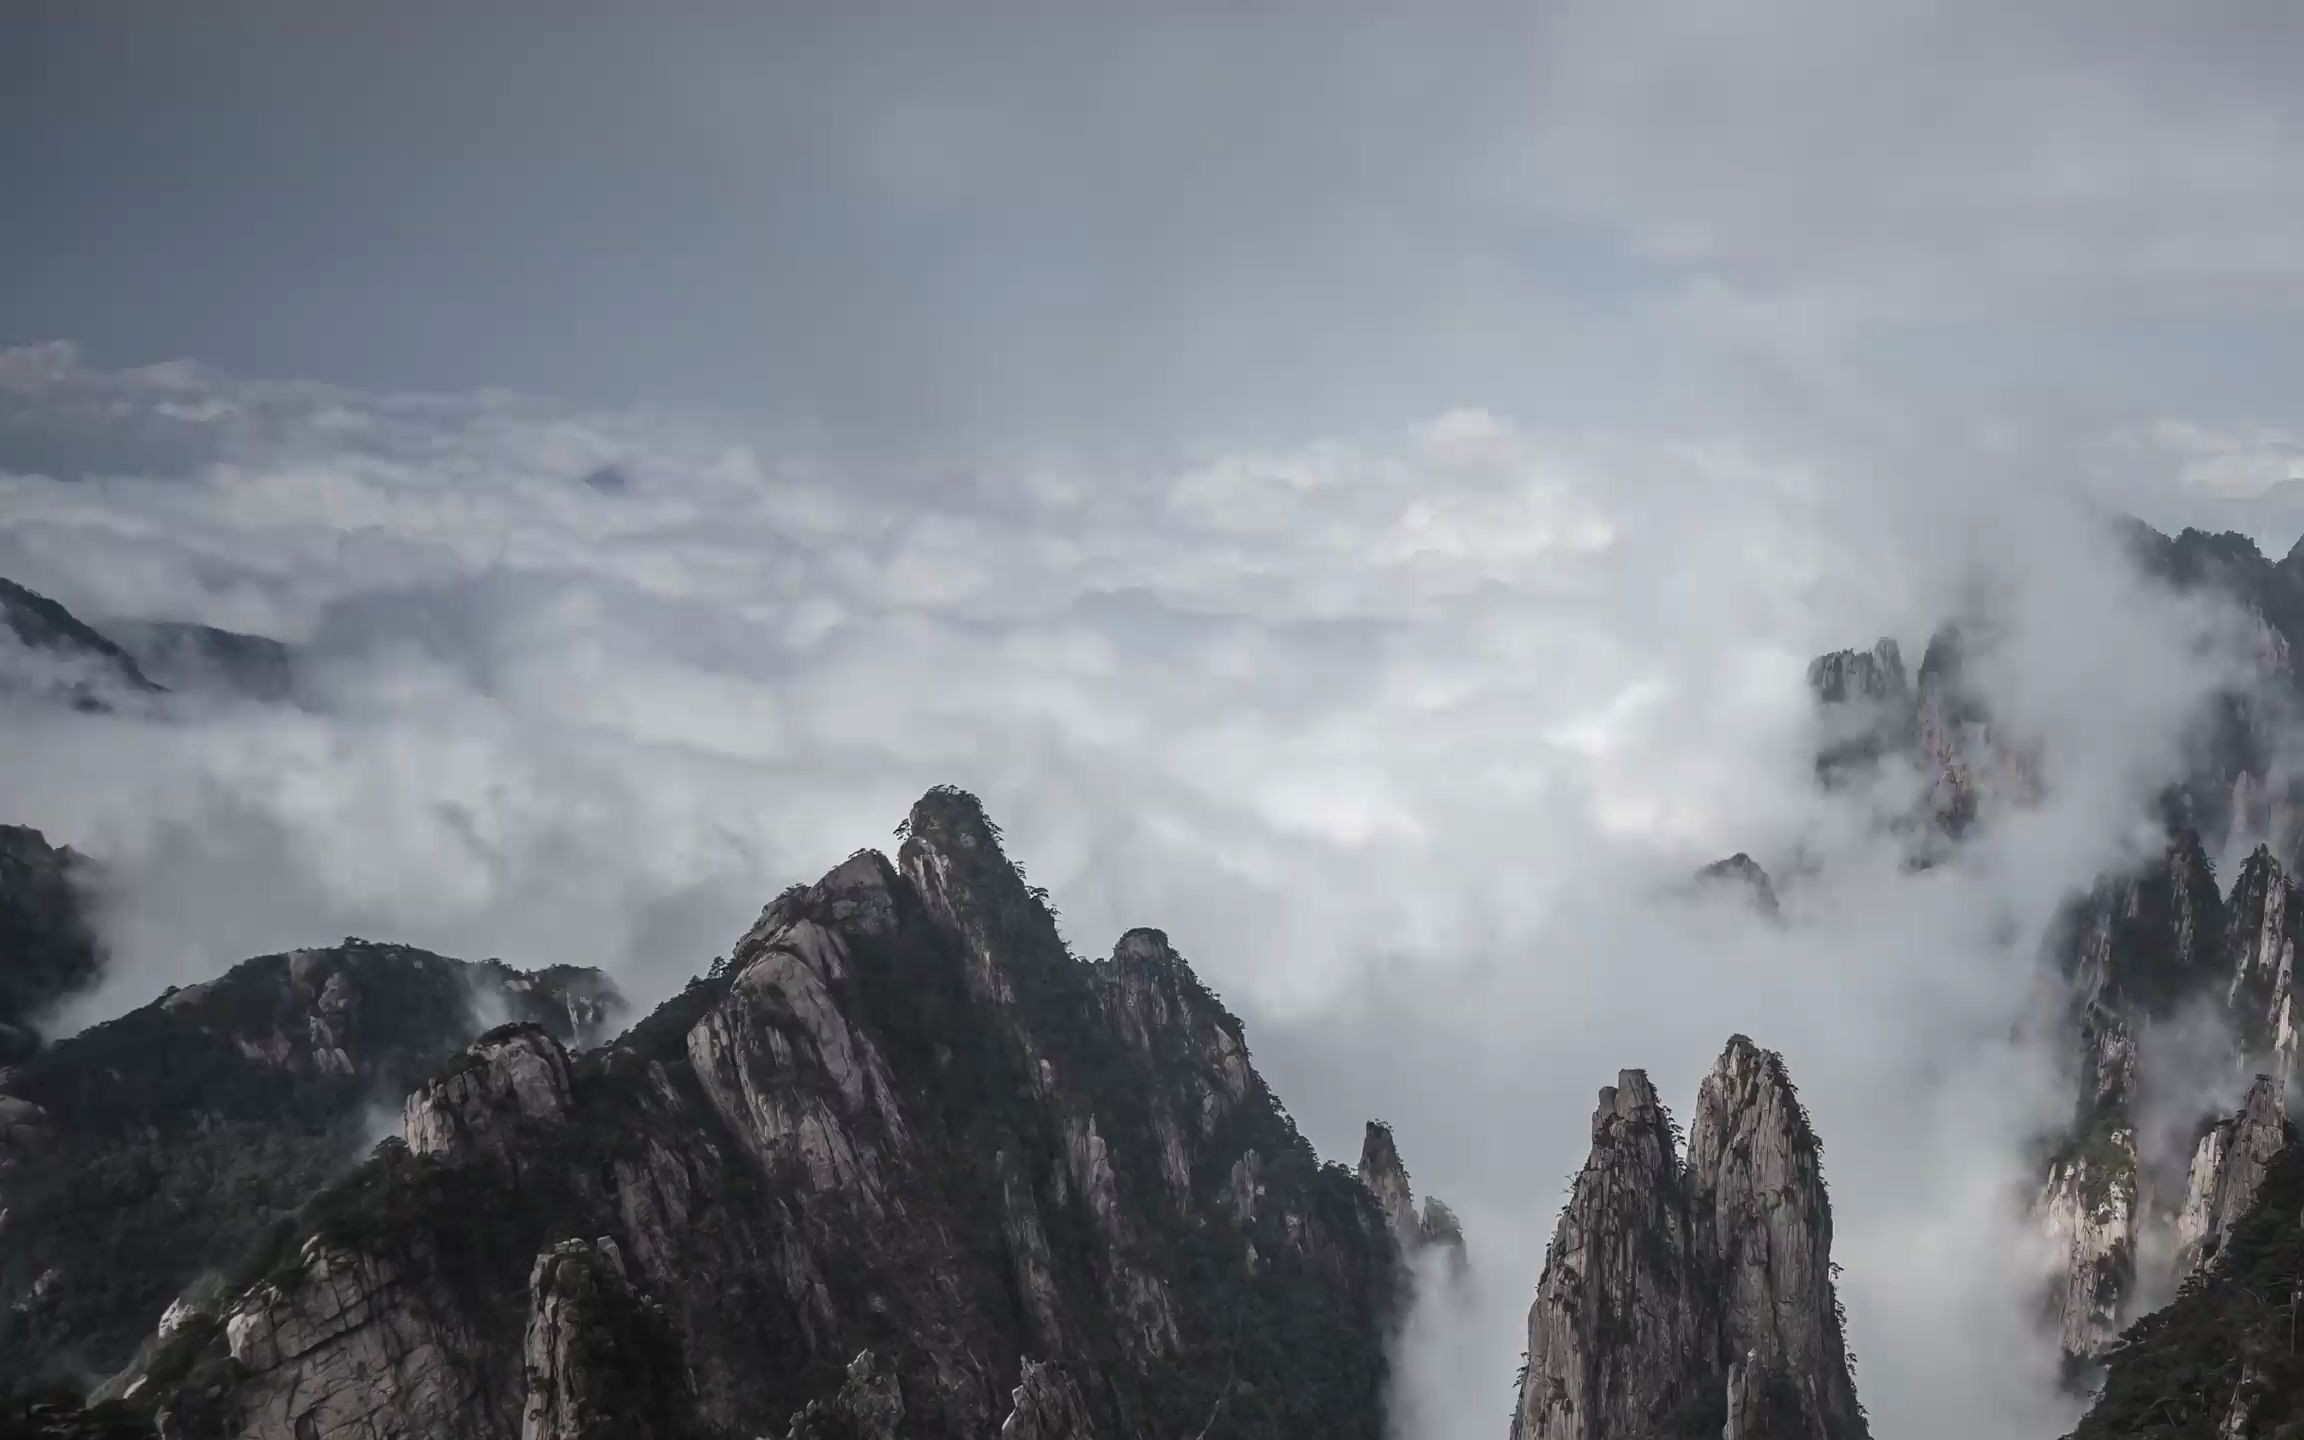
<point>1693,1299</point>
<point>48,945</point>
<point>2221,1360</point>
<point>143,1153</point>
<point>904,1155</point>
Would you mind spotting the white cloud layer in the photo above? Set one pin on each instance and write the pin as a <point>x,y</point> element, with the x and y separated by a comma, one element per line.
<point>1403,737</point>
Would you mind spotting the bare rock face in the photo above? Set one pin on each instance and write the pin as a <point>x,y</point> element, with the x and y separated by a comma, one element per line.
<point>47,943</point>
<point>1864,708</point>
<point>1760,1216</point>
<point>342,1348</point>
<point>1740,875</point>
<point>2093,1207</point>
<point>2132,952</point>
<point>1938,724</point>
<point>2262,915</point>
<point>1618,1339</point>
<point>1679,1302</point>
<point>1387,1179</point>
<point>1435,1233</point>
<point>1046,1406</point>
<point>515,1074</point>
<point>171,1142</point>
<point>1851,676</point>
<point>868,1406</point>
<point>901,1137</point>
<point>603,1362</point>
<point>2228,1168</point>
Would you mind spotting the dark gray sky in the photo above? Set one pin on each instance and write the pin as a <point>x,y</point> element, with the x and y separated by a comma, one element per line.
<point>899,222</point>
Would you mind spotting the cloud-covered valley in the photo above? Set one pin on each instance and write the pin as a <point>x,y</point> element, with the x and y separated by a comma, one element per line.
<point>1408,739</point>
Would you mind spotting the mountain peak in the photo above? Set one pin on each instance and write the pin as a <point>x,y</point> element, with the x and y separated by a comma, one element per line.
<point>1696,1300</point>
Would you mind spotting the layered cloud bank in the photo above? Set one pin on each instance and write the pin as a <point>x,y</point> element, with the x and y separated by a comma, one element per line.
<point>1408,739</point>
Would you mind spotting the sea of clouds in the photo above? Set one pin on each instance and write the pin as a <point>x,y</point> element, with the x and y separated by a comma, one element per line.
<point>1408,739</point>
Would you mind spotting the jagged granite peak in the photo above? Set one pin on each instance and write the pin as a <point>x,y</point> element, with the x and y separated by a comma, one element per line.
<point>2143,942</point>
<point>869,1405</point>
<point>2141,948</point>
<point>1760,1215</point>
<point>2091,1209</point>
<point>1619,1340</point>
<point>1386,1178</point>
<point>2220,1358</point>
<point>603,1361</point>
<point>2228,1168</point>
<point>1963,757</point>
<point>1938,723</point>
<point>1864,708</point>
<point>335,1344</point>
<point>2261,920</point>
<point>514,1075</point>
<point>1875,675</point>
<point>1046,1405</point>
<point>48,945</point>
<point>1685,1301</point>
<point>172,1142</point>
<point>1741,875</point>
<point>902,1120</point>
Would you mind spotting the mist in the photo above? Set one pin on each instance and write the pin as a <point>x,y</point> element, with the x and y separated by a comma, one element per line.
<point>1409,739</point>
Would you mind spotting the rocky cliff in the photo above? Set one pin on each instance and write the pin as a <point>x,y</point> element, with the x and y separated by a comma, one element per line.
<point>2220,1360</point>
<point>48,654</point>
<point>904,1164</point>
<point>151,1155</point>
<point>2227,1171</point>
<point>2145,953</point>
<point>1693,1297</point>
<point>48,945</point>
<point>2156,948</point>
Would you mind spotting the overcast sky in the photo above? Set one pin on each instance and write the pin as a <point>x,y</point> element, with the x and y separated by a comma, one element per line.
<point>894,223</point>
<point>1355,488</point>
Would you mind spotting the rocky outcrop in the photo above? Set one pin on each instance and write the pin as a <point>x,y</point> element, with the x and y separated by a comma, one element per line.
<point>602,1361</point>
<point>2143,943</point>
<point>1938,724</point>
<point>1434,1231</point>
<point>867,1406</point>
<point>1740,876</point>
<point>2228,1168</point>
<point>47,938</point>
<point>1760,1220</point>
<point>1386,1178</point>
<point>174,1142</point>
<point>2220,1358</point>
<point>2261,919</point>
<point>1046,1406</point>
<point>1849,677</point>
<point>2090,1208</point>
<point>901,1138</point>
<point>340,1345</point>
<point>1619,1339</point>
<point>512,1076</point>
<point>1864,709</point>
<point>2138,951</point>
<point>1684,1301</point>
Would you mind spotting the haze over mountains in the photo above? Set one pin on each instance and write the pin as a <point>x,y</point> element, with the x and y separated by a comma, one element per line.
<point>1159,1240</point>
